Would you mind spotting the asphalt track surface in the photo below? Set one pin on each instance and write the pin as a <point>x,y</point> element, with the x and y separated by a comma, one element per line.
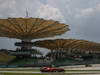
<point>96,67</point>
<point>51,72</point>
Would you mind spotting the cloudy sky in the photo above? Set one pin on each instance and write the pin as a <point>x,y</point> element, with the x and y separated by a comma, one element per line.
<point>83,16</point>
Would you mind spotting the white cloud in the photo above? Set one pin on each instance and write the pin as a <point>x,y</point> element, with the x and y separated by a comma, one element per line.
<point>82,15</point>
<point>87,11</point>
<point>98,7</point>
<point>49,12</point>
<point>8,4</point>
<point>84,12</point>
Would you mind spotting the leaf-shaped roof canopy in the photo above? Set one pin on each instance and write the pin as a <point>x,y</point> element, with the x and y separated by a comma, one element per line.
<point>31,28</point>
<point>69,45</point>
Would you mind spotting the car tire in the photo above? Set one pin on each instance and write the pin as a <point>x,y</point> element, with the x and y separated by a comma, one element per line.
<point>55,71</point>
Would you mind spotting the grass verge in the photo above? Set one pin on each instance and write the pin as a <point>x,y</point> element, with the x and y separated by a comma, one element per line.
<point>15,69</point>
<point>21,74</point>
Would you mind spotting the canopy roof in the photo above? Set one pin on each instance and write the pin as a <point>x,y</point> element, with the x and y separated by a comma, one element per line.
<point>30,28</point>
<point>69,45</point>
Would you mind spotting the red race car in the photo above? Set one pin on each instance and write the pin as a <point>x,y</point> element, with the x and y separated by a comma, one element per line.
<point>51,69</point>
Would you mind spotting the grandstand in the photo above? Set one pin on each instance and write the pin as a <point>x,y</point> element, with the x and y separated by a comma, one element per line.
<point>62,51</point>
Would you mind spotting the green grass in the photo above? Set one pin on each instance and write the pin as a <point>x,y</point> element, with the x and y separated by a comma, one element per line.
<point>63,61</point>
<point>21,74</point>
<point>24,61</point>
<point>33,73</point>
<point>12,69</point>
<point>4,57</point>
